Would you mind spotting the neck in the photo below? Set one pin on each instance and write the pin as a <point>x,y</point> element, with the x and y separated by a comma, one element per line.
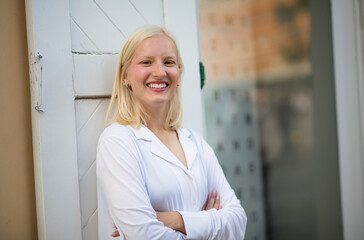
<point>156,119</point>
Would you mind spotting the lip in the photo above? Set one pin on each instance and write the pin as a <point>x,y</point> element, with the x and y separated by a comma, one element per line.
<point>157,89</point>
<point>157,82</point>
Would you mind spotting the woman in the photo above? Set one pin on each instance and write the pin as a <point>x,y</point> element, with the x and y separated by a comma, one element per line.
<point>156,179</point>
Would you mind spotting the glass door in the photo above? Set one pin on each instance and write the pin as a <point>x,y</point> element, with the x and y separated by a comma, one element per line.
<point>270,113</point>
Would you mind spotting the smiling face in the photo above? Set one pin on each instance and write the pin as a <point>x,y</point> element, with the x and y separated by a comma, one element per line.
<point>153,72</point>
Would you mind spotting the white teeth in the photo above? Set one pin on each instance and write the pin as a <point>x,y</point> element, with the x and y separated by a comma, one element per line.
<point>157,85</point>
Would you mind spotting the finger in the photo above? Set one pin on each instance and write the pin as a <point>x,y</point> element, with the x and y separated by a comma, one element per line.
<point>220,207</point>
<point>217,202</point>
<point>115,234</point>
<point>115,226</point>
<point>205,204</point>
<point>211,201</point>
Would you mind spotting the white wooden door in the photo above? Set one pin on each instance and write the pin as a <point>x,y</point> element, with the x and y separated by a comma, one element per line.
<point>73,47</point>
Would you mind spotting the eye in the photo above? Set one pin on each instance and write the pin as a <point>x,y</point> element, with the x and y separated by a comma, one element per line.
<point>170,62</point>
<point>146,62</point>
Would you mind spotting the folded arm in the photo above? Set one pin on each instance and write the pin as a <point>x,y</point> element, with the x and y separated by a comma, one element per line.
<point>174,220</point>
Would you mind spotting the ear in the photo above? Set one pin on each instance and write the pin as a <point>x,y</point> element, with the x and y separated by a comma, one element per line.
<point>126,80</point>
<point>122,76</point>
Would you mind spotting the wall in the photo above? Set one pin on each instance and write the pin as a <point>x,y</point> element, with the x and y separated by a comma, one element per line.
<point>17,198</point>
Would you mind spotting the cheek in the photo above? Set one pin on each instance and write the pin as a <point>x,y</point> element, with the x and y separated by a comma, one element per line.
<point>175,75</point>
<point>137,75</point>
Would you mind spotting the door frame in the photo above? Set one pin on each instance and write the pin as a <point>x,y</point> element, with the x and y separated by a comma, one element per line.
<point>53,120</point>
<point>348,62</point>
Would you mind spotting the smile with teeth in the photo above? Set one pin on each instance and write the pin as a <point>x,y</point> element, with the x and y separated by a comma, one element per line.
<point>157,85</point>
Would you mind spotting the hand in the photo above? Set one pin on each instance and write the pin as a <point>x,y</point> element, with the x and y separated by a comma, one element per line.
<point>115,233</point>
<point>212,202</point>
<point>171,219</point>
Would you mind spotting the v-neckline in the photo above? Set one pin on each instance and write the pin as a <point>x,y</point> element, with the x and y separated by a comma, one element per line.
<point>169,151</point>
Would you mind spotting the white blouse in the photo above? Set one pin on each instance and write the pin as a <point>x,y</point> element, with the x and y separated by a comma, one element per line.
<point>138,175</point>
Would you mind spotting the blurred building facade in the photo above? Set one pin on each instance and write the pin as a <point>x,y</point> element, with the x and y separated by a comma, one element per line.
<point>260,39</point>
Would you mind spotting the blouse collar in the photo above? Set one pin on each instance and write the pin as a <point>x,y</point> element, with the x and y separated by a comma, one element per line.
<point>159,149</point>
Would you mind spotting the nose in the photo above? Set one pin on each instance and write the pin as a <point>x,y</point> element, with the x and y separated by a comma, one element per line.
<point>159,70</point>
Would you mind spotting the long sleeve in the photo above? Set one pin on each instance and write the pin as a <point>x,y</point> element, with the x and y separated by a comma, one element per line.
<point>227,223</point>
<point>121,179</point>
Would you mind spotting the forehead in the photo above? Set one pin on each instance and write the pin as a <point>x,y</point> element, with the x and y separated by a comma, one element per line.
<point>156,45</point>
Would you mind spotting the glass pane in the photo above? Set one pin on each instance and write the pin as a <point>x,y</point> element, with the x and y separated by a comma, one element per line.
<point>259,110</point>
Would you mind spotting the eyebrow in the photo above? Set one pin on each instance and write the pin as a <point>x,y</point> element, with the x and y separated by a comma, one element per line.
<point>154,57</point>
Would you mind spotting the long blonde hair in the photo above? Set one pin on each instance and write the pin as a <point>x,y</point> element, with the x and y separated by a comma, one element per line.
<point>129,111</point>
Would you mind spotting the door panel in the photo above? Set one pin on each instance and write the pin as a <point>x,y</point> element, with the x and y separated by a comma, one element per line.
<point>94,74</point>
<point>92,22</point>
<point>90,115</point>
<point>106,24</point>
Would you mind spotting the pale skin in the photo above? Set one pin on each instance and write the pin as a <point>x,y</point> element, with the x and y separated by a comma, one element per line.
<point>153,76</point>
